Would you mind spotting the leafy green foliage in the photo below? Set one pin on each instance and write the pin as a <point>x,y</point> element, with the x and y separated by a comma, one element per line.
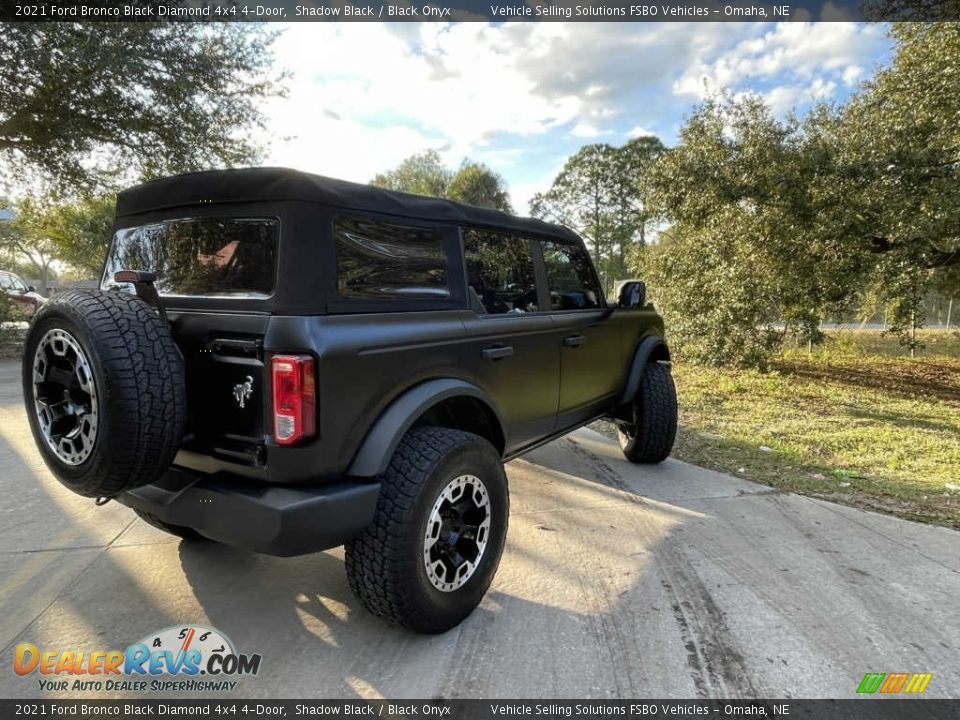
<point>6,312</point>
<point>425,174</point>
<point>782,224</point>
<point>897,162</point>
<point>598,193</point>
<point>420,174</point>
<point>16,242</point>
<point>76,232</point>
<point>81,110</point>
<point>741,255</point>
<point>476,184</point>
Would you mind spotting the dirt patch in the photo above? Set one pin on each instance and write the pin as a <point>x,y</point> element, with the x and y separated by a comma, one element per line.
<point>938,378</point>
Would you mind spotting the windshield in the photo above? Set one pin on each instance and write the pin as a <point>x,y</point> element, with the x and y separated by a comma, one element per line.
<point>12,283</point>
<point>234,257</point>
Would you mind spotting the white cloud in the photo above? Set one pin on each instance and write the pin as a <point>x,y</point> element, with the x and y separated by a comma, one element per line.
<point>453,88</point>
<point>587,130</point>
<point>851,75</point>
<point>640,131</point>
<point>522,96</point>
<point>363,96</point>
<point>802,51</point>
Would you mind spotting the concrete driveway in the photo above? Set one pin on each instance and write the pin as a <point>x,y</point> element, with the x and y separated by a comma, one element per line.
<point>618,581</point>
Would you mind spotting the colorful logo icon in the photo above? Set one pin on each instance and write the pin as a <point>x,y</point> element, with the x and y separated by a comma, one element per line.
<point>891,683</point>
<point>185,651</point>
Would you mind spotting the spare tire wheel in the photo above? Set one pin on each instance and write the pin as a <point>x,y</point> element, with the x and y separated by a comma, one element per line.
<point>104,389</point>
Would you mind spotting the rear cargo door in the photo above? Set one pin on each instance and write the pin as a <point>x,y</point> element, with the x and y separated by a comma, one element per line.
<point>226,383</point>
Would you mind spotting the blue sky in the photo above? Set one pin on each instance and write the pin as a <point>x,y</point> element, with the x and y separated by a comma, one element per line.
<point>522,97</point>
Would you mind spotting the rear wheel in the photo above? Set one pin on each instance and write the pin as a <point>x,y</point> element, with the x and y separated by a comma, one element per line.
<point>434,545</point>
<point>649,436</point>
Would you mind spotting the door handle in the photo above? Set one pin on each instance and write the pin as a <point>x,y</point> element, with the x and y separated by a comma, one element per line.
<point>574,341</point>
<point>496,352</point>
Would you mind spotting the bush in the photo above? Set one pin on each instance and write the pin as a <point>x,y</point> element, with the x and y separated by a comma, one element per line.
<point>718,306</point>
<point>10,339</point>
<point>6,308</point>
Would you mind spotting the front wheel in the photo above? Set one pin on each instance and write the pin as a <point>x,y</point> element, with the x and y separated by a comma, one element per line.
<point>435,542</point>
<point>649,437</point>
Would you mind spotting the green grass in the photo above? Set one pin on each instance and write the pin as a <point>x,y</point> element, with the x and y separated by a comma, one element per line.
<point>853,421</point>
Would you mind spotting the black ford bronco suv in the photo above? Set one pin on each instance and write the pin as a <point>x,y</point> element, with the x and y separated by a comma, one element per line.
<point>288,363</point>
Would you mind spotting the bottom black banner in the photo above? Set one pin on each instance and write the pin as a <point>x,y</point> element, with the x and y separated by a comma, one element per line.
<point>855,709</point>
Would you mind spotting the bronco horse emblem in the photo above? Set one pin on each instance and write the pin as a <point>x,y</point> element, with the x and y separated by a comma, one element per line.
<point>243,391</point>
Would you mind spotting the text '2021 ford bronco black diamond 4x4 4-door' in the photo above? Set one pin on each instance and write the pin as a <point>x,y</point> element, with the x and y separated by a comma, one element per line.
<point>288,363</point>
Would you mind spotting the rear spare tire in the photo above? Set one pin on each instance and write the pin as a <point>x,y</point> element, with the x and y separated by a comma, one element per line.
<point>104,389</point>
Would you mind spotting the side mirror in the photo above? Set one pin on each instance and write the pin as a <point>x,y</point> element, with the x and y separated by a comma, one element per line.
<point>31,288</point>
<point>633,294</point>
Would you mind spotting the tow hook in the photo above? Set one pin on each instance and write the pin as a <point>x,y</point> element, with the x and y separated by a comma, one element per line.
<point>101,501</point>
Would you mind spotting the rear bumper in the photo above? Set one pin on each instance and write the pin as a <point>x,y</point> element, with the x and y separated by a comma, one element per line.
<point>274,520</point>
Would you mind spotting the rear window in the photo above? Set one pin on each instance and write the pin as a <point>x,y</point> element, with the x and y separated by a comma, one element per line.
<point>234,257</point>
<point>378,260</point>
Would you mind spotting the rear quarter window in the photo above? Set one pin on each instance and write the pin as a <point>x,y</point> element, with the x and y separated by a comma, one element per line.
<point>232,257</point>
<point>378,261</point>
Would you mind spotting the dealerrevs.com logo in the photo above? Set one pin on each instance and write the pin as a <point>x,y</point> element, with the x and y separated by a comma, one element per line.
<point>191,658</point>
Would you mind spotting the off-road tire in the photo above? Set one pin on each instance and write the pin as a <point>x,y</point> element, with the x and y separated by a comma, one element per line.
<point>650,437</point>
<point>385,565</point>
<point>179,530</point>
<point>138,374</point>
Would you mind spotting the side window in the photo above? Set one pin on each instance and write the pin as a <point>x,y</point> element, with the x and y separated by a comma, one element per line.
<point>573,283</point>
<point>499,272</point>
<point>377,260</point>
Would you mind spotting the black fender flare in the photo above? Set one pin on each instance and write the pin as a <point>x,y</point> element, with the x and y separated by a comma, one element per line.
<point>374,454</point>
<point>641,357</point>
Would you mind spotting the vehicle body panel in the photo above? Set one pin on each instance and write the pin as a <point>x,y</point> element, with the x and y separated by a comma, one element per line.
<point>25,300</point>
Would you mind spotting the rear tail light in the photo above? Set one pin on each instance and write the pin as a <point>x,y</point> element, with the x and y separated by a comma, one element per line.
<point>294,398</point>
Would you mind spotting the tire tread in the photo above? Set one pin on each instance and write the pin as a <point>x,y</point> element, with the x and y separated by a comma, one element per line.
<point>656,417</point>
<point>145,391</point>
<point>376,561</point>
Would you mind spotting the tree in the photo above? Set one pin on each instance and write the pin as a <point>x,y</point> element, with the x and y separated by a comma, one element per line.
<point>420,174</point>
<point>39,251</point>
<point>743,265</point>
<point>476,184</point>
<point>77,108</point>
<point>598,194</point>
<point>897,162</point>
<point>79,230</point>
<point>425,174</point>
<point>852,208</point>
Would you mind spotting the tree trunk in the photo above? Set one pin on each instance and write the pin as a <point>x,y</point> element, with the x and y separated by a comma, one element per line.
<point>949,312</point>
<point>913,333</point>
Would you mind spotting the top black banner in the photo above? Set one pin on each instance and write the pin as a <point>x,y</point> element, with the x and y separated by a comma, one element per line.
<point>476,10</point>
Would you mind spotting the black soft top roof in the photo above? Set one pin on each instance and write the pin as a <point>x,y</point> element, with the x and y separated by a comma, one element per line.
<point>282,184</point>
